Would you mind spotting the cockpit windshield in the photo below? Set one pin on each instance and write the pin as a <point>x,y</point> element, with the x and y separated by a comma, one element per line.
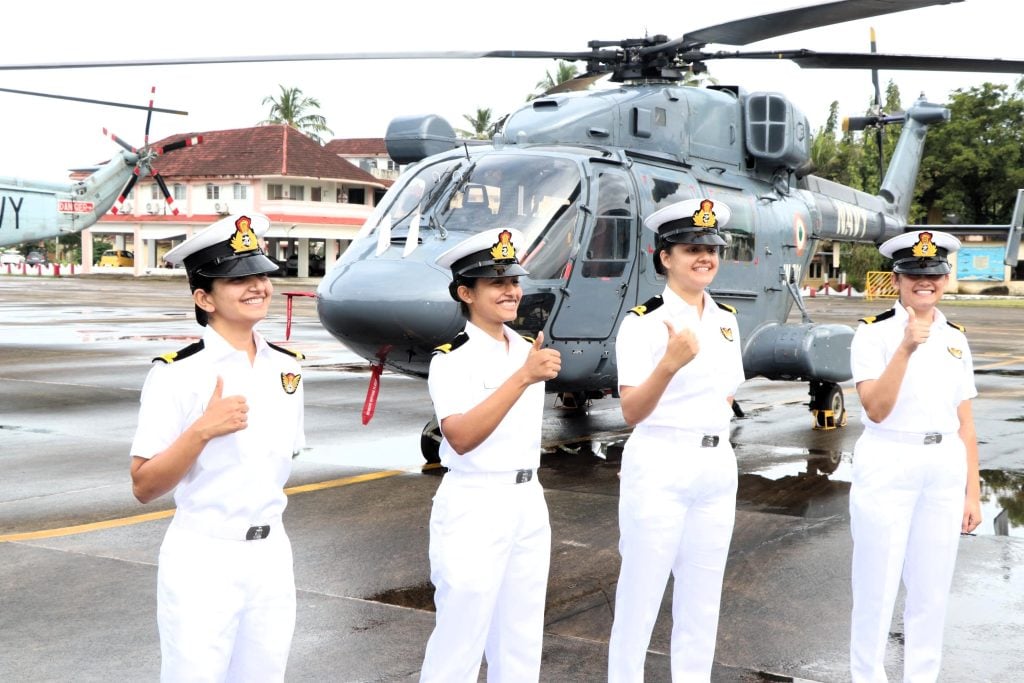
<point>537,195</point>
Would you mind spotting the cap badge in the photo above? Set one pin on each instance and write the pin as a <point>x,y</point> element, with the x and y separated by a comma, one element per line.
<point>726,332</point>
<point>290,382</point>
<point>244,238</point>
<point>924,247</point>
<point>956,353</point>
<point>704,217</point>
<point>503,249</point>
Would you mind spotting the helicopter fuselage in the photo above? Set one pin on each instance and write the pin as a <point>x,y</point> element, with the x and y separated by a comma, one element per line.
<point>577,174</point>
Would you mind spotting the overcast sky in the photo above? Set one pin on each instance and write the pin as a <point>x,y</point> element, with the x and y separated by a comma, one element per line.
<point>41,138</point>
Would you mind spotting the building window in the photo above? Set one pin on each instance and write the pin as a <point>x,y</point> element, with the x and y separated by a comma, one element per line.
<point>178,191</point>
<point>341,197</point>
<point>212,191</point>
<point>314,194</point>
<point>154,191</point>
<point>391,165</point>
<point>275,191</point>
<point>815,270</point>
<point>240,191</point>
<point>356,195</point>
<point>297,192</point>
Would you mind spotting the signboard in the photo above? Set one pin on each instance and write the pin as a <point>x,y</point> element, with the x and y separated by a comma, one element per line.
<point>68,206</point>
<point>980,263</point>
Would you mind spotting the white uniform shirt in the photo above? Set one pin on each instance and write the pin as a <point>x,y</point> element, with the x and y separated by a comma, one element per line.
<point>695,397</point>
<point>461,379</point>
<point>239,478</point>
<point>939,377</point>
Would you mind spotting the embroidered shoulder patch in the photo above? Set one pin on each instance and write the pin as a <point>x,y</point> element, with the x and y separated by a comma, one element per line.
<point>181,354</point>
<point>297,355</point>
<point>460,339</point>
<point>290,382</point>
<point>878,318</point>
<point>648,306</point>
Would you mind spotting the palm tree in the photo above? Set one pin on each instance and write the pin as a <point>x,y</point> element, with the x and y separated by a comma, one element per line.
<point>481,125</point>
<point>291,108</point>
<point>566,72</point>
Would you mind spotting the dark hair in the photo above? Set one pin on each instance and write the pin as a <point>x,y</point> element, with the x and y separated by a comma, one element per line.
<point>197,281</point>
<point>660,245</point>
<point>453,289</point>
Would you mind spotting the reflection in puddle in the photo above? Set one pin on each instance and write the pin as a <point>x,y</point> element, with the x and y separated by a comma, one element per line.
<point>414,597</point>
<point>808,483</point>
<point>1002,503</point>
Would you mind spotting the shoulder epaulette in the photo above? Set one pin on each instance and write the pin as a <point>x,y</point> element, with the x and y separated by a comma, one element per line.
<point>189,350</point>
<point>956,326</point>
<point>460,339</point>
<point>297,355</point>
<point>726,307</point>
<point>878,318</point>
<point>646,307</point>
<point>528,338</point>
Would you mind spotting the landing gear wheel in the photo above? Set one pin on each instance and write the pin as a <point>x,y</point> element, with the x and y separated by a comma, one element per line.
<point>430,441</point>
<point>573,401</point>
<point>828,405</point>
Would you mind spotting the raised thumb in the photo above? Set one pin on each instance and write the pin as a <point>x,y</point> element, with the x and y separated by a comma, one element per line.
<point>539,341</point>
<point>218,390</point>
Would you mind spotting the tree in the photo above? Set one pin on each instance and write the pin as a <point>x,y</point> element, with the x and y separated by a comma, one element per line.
<point>293,108</point>
<point>480,123</point>
<point>566,72</point>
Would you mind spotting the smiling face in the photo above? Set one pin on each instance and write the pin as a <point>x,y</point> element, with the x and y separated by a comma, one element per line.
<point>242,301</point>
<point>690,267</point>
<point>492,301</point>
<point>920,292</point>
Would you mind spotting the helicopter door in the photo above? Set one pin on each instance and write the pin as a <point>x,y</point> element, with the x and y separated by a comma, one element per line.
<point>597,282</point>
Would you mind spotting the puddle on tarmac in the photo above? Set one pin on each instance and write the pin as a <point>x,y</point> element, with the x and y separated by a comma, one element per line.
<point>414,597</point>
<point>1002,503</point>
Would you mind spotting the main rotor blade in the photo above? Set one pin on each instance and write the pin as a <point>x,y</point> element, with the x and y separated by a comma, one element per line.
<point>809,59</point>
<point>92,101</point>
<point>773,24</point>
<point>312,57</point>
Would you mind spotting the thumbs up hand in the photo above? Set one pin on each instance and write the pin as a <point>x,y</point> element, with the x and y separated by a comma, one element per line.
<point>682,347</point>
<point>917,330</point>
<point>542,364</point>
<point>223,414</point>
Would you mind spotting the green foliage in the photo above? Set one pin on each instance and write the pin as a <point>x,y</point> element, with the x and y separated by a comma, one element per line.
<point>293,108</point>
<point>482,128</point>
<point>858,260</point>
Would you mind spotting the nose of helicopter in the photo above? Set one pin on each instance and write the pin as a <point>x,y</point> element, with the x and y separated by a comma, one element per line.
<point>375,305</point>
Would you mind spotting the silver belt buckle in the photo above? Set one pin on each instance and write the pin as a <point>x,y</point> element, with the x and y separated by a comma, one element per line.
<point>523,476</point>
<point>255,533</point>
<point>709,441</point>
<point>929,439</point>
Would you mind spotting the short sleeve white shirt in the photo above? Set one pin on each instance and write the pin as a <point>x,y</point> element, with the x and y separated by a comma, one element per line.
<point>238,478</point>
<point>696,396</point>
<point>939,377</point>
<point>461,379</point>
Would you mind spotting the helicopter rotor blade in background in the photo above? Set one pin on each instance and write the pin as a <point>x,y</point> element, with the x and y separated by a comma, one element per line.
<point>149,116</point>
<point>178,144</point>
<point>809,59</point>
<point>119,141</point>
<point>88,100</point>
<point>132,179</point>
<point>163,188</point>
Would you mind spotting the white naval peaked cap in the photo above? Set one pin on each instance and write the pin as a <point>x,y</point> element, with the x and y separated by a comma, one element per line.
<point>227,248</point>
<point>490,253</point>
<point>691,221</point>
<point>920,251</point>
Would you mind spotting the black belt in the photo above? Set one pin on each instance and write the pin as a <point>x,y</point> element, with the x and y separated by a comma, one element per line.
<point>521,476</point>
<point>256,533</point>
<point>709,441</point>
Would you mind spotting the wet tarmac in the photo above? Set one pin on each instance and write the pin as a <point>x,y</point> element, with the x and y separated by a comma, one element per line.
<point>78,553</point>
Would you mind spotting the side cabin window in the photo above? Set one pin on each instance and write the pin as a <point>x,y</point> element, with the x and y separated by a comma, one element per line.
<point>608,250</point>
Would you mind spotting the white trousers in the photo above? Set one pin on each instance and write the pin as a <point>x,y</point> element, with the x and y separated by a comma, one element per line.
<point>226,609</point>
<point>677,505</point>
<point>906,508</point>
<point>490,547</point>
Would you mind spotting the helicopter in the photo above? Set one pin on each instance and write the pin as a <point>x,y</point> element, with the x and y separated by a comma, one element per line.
<point>577,169</point>
<point>31,211</point>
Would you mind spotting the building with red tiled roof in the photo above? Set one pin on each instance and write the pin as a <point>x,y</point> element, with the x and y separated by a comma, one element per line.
<point>369,154</point>
<point>307,191</point>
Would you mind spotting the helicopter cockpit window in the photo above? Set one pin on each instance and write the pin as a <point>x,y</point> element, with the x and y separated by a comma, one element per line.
<point>535,194</point>
<point>740,246</point>
<point>608,250</point>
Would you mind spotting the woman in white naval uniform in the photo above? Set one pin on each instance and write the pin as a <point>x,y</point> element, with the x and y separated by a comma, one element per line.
<point>915,468</point>
<point>219,423</point>
<point>490,540</point>
<point>679,364</point>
